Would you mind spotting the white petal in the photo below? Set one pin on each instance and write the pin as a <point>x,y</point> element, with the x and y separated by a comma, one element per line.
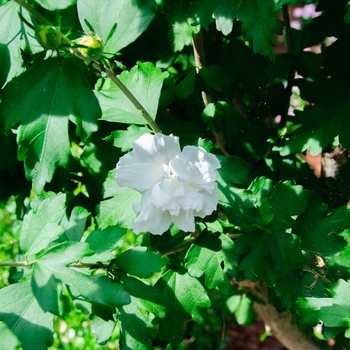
<point>184,221</point>
<point>158,149</point>
<point>210,202</point>
<point>202,166</point>
<point>140,177</point>
<point>157,222</point>
<point>179,169</point>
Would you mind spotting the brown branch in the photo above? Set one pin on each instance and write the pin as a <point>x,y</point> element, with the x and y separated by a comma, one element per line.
<point>199,56</point>
<point>280,323</point>
<point>291,73</point>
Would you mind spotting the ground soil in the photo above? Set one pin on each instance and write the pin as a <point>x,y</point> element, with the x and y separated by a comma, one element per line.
<point>248,338</point>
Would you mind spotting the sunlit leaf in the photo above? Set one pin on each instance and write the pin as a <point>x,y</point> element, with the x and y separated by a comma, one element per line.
<point>132,19</point>
<point>144,81</point>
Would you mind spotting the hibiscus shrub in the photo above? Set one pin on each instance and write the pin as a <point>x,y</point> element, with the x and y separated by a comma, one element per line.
<point>172,168</point>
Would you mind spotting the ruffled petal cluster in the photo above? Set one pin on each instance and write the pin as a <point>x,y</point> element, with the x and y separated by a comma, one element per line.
<point>175,186</point>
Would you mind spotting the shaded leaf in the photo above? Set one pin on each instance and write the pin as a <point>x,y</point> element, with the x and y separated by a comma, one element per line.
<point>102,242</point>
<point>259,24</point>
<point>17,36</point>
<point>214,257</point>
<point>75,227</point>
<point>136,329</point>
<point>271,255</point>
<point>183,295</point>
<point>43,99</point>
<point>96,289</point>
<point>318,228</point>
<point>23,315</point>
<point>145,296</point>
<point>139,262</point>
<point>101,329</point>
<point>333,312</point>
<point>46,284</point>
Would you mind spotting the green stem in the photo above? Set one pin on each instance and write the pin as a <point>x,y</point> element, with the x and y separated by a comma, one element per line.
<point>15,263</point>
<point>132,99</point>
<point>178,248</point>
<point>33,12</point>
<point>108,71</point>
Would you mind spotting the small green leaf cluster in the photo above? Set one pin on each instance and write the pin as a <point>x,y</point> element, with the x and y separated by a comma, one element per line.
<point>82,80</point>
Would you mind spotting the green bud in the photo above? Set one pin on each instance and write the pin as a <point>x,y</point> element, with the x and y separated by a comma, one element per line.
<point>92,46</point>
<point>48,37</point>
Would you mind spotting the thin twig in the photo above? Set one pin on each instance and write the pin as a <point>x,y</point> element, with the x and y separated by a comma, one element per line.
<point>178,248</point>
<point>291,74</point>
<point>199,56</point>
<point>108,71</point>
<point>15,263</point>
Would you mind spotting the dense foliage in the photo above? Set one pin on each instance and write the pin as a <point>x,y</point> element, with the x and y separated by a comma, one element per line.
<point>263,85</point>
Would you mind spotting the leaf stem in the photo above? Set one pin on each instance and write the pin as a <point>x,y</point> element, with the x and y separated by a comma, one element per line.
<point>178,248</point>
<point>108,71</point>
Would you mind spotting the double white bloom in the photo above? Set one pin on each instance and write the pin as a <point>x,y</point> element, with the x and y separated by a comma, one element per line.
<point>175,186</point>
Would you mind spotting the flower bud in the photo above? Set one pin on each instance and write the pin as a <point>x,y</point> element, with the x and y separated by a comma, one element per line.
<point>48,37</point>
<point>91,46</point>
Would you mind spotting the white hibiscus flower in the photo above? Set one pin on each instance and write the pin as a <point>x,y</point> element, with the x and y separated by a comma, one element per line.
<point>175,186</point>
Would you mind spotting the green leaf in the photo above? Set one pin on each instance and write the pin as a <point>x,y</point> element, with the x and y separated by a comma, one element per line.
<point>324,119</point>
<point>101,329</point>
<point>239,204</point>
<point>17,36</point>
<point>145,296</point>
<point>139,262</point>
<point>234,170</point>
<point>186,86</point>
<point>95,289</point>
<point>136,329</point>
<point>144,81</point>
<point>244,313</point>
<point>333,312</point>
<point>125,138</point>
<point>23,315</point>
<point>102,242</point>
<point>259,24</point>
<point>8,339</point>
<point>41,225</point>
<point>268,254</point>
<point>223,11</point>
<point>318,229</point>
<point>132,19</point>
<point>53,5</point>
<point>214,257</point>
<point>118,209</point>
<point>75,227</point>
<point>46,284</point>
<point>43,99</point>
<point>5,62</point>
<point>183,295</point>
<point>286,201</point>
<point>182,32</point>
<point>215,77</point>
